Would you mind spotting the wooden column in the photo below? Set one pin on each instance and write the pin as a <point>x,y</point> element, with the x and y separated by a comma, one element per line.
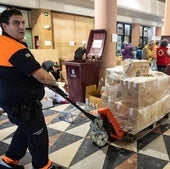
<point>158,31</point>
<point>166,30</point>
<point>106,18</point>
<point>135,34</point>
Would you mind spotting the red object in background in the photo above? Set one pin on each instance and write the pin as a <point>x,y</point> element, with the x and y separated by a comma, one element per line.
<point>36,41</point>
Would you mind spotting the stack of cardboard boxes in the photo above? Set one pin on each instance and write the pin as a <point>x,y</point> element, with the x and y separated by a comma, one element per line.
<point>137,96</point>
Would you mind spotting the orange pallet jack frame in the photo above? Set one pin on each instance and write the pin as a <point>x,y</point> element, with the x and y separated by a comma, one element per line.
<point>103,126</point>
<point>108,118</point>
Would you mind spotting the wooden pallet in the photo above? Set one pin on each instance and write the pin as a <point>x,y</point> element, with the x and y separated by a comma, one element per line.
<point>132,137</point>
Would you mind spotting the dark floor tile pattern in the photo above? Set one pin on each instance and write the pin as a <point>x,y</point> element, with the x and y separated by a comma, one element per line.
<point>148,162</point>
<point>63,133</point>
<point>86,149</point>
<point>145,140</point>
<point>115,156</point>
<point>64,140</point>
<point>167,143</point>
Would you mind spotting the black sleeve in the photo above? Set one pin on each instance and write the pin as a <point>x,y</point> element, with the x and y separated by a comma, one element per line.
<point>24,61</point>
<point>56,74</point>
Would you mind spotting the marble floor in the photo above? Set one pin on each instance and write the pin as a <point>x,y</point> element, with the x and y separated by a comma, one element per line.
<point>71,147</point>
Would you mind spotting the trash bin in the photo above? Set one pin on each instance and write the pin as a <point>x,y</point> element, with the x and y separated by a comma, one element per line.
<point>86,72</point>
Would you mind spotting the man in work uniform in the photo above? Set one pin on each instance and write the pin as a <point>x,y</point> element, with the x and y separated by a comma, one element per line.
<point>21,88</point>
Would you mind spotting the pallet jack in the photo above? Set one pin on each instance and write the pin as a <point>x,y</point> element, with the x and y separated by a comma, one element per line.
<point>103,127</point>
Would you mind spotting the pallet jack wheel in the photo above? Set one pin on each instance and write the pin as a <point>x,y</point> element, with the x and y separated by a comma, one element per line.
<point>100,138</point>
<point>130,138</point>
<point>93,135</point>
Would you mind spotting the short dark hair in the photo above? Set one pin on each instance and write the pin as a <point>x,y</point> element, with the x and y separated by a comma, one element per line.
<point>164,42</point>
<point>7,14</point>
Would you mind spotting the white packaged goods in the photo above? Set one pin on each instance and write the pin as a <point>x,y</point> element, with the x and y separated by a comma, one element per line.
<point>136,95</point>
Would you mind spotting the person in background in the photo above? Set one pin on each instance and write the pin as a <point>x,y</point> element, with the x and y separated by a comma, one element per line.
<point>155,49</point>
<point>134,51</point>
<point>53,68</point>
<point>147,53</point>
<point>79,53</point>
<point>163,56</point>
<point>139,52</point>
<point>22,83</point>
<point>127,51</point>
<point>154,60</point>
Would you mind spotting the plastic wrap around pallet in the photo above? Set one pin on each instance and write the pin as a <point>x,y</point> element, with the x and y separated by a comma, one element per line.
<point>133,120</point>
<point>136,95</point>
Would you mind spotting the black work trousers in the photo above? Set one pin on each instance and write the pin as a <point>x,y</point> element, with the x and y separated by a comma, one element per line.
<point>162,68</point>
<point>31,133</point>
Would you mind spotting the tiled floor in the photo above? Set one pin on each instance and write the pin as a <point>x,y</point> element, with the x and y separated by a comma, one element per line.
<point>71,147</point>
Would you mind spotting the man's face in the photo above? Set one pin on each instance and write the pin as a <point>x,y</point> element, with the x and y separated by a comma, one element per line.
<point>16,27</point>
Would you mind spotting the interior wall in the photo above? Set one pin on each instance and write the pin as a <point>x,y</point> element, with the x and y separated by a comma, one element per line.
<point>66,32</point>
<point>69,31</point>
<point>42,28</point>
<point>42,55</point>
<point>151,7</point>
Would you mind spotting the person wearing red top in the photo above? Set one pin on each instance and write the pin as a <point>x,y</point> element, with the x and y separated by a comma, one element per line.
<point>163,56</point>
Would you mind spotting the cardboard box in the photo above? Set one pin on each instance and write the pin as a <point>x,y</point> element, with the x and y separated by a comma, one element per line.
<point>138,92</point>
<point>136,68</point>
<point>136,95</point>
<point>118,60</point>
<point>128,68</point>
<point>134,120</point>
<point>93,96</point>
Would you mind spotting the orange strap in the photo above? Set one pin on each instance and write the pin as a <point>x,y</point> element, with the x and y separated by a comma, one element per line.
<point>8,47</point>
<point>9,160</point>
<point>48,165</point>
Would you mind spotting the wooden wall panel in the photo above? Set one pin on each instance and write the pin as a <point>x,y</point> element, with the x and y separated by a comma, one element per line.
<point>64,29</point>
<point>83,25</point>
<point>63,33</point>
<point>38,21</point>
<point>45,54</point>
<point>67,28</point>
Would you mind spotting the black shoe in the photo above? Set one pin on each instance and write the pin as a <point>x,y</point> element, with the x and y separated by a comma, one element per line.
<point>4,165</point>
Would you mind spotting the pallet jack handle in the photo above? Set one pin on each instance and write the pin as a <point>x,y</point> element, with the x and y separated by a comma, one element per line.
<point>56,89</point>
